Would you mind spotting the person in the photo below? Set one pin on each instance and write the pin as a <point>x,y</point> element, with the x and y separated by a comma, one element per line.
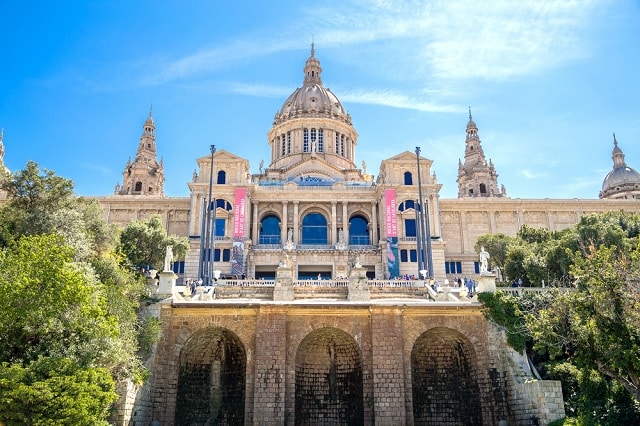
<point>168,258</point>
<point>484,260</point>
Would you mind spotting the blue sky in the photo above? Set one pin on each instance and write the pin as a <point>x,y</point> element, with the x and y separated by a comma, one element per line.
<point>548,83</point>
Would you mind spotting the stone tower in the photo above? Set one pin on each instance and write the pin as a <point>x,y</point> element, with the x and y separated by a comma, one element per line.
<point>623,181</point>
<point>145,176</point>
<point>476,177</point>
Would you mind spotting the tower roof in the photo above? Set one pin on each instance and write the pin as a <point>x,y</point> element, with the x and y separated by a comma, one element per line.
<point>622,178</point>
<point>312,99</point>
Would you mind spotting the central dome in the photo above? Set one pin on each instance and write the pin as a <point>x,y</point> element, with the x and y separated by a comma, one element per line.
<point>312,99</point>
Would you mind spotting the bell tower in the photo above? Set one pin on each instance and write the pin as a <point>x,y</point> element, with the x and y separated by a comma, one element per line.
<point>476,176</point>
<point>145,175</point>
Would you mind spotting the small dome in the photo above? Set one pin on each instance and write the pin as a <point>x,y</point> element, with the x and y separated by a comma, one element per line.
<point>312,98</point>
<point>622,179</point>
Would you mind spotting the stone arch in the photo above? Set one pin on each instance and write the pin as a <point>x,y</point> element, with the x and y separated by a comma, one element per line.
<point>270,229</point>
<point>211,379</point>
<point>359,229</point>
<point>444,379</point>
<point>314,227</point>
<point>328,382</point>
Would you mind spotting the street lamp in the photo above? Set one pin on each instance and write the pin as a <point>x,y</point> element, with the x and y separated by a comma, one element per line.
<point>424,224</point>
<point>208,229</point>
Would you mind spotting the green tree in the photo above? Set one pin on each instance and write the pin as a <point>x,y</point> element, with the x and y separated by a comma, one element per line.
<point>49,306</point>
<point>144,242</point>
<point>54,391</point>
<point>42,203</point>
<point>497,246</point>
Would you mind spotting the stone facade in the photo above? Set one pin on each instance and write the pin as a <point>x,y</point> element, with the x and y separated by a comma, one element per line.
<point>340,363</point>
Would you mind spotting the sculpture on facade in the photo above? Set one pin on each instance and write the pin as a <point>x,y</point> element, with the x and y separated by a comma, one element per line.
<point>484,260</point>
<point>168,258</point>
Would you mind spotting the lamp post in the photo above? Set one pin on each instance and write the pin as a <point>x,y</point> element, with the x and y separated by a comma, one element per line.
<point>424,224</point>
<point>209,230</point>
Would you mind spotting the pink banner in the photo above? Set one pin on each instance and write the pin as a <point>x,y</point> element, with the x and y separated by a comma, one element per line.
<point>239,212</point>
<point>390,212</point>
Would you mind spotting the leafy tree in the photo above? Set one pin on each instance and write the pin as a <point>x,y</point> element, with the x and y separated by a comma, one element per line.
<point>48,306</point>
<point>143,243</point>
<point>54,391</point>
<point>42,203</point>
<point>497,245</point>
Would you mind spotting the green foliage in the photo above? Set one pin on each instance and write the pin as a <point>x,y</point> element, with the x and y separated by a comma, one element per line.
<point>503,310</point>
<point>42,203</point>
<point>144,242</point>
<point>48,307</point>
<point>54,391</point>
<point>150,328</point>
<point>590,336</point>
<point>496,245</point>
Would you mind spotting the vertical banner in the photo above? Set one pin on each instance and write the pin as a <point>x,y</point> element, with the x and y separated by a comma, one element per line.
<point>391,222</point>
<point>239,215</point>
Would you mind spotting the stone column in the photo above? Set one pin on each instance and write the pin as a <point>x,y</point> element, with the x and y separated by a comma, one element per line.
<point>193,227</point>
<point>284,225</point>
<point>374,223</point>
<point>345,222</point>
<point>296,223</point>
<point>256,236</point>
<point>334,225</point>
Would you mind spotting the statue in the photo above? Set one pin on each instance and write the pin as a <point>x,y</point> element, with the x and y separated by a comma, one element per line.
<point>364,168</point>
<point>261,165</point>
<point>290,235</point>
<point>484,260</point>
<point>341,236</point>
<point>168,258</point>
<point>285,262</point>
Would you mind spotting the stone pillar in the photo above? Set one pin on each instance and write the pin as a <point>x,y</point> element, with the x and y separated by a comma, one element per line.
<point>388,366</point>
<point>374,223</point>
<point>284,224</point>
<point>345,222</point>
<point>334,225</point>
<point>283,289</point>
<point>270,367</point>
<point>167,283</point>
<point>296,222</point>
<point>487,282</point>
<point>358,285</point>
<point>256,236</point>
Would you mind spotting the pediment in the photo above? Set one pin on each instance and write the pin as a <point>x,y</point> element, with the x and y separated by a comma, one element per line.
<point>222,155</point>
<point>406,156</point>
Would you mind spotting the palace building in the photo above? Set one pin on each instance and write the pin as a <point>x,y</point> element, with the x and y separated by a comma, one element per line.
<point>314,201</point>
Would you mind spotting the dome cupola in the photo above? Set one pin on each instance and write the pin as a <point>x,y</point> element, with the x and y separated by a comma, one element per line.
<point>623,181</point>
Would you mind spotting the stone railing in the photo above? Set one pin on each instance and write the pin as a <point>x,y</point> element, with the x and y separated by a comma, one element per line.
<point>519,291</point>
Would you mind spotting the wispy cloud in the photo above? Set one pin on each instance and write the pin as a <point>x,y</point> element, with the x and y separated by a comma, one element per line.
<point>429,42</point>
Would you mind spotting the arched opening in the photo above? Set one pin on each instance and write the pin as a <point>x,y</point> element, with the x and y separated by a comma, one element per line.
<point>211,379</point>
<point>408,178</point>
<point>483,188</point>
<point>138,187</point>
<point>270,230</point>
<point>222,177</point>
<point>329,389</point>
<point>358,231</point>
<point>314,229</point>
<point>444,379</point>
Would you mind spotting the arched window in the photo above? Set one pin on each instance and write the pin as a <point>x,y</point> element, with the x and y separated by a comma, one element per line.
<point>314,229</point>
<point>358,231</point>
<point>222,177</point>
<point>408,204</point>
<point>138,187</point>
<point>483,188</point>
<point>320,140</point>
<point>270,230</point>
<point>305,140</point>
<point>408,178</point>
